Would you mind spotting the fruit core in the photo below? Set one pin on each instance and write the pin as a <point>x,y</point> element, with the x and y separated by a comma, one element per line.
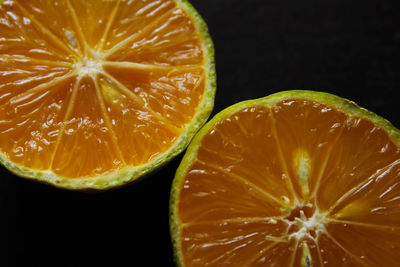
<point>305,221</point>
<point>88,67</point>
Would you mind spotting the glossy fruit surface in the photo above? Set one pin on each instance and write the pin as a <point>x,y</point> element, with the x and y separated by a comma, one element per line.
<point>298,178</point>
<point>98,93</point>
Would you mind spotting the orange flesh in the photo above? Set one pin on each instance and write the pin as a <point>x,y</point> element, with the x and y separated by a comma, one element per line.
<point>90,87</point>
<point>298,184</point>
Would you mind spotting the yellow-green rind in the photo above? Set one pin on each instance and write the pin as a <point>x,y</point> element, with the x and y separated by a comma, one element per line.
<point>133,173</point>
<point>341,104</point>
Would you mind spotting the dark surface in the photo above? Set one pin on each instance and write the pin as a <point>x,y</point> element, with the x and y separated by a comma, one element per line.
<point>349,48</point>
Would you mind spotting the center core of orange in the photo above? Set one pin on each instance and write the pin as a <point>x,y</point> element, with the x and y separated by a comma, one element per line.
<point>305,221</point>
<point>88,67</point>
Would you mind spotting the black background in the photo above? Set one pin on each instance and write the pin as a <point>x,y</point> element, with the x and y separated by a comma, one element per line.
<point>349,48</point>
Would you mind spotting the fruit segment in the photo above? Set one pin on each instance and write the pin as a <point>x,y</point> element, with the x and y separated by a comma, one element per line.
<point>85,130</point>
<point>30,120</point>
<point>171,95</point>
<point>245,146</point>
<point>239,241</point>
<point>157,44</point>
<point>141,132</point>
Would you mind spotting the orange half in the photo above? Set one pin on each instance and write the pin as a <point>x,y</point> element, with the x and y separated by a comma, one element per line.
<point>97,93</point>
<point>298,178</point>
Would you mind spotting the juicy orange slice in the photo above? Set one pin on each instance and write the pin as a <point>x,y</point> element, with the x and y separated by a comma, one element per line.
<point>298,178</point>
<point>97,93</point>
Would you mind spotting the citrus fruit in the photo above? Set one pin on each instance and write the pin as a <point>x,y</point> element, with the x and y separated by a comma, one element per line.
<point>97,93</point>
<point>298,178</point>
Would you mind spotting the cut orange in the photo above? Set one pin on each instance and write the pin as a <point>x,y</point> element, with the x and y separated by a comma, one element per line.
<point>298,178</point>
<point>97,93</point>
